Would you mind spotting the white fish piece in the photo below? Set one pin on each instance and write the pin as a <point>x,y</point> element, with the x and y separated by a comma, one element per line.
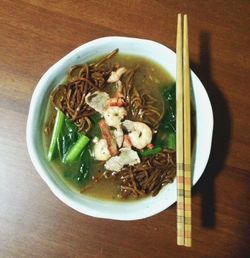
<point>116,75</point>
<point>97,100</point>
<point>126,157</point>
<point>114,115</point>
<point>100,151</point>
<point>118,133</point>
<point>140,134</point>
<point>114,164</point>
<point>129,157</point>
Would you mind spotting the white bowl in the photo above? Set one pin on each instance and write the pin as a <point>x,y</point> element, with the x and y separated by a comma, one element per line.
<point>107,209</point>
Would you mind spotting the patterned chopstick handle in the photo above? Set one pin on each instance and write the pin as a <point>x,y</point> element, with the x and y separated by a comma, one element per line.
<point>180,205</point>
<point>187,201</point>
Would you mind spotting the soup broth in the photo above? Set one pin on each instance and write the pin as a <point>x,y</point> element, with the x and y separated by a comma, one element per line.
<point>83,174</point>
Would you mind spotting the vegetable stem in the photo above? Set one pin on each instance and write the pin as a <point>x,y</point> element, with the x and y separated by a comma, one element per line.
<point>56,131</point>
<point>76,149</point>
<point>171,141</point>
<point>59,148</point>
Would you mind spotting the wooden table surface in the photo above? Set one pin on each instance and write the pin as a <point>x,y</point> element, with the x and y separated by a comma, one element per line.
<point>33,36</point>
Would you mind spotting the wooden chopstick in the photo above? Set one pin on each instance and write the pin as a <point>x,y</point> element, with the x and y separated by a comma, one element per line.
<point>183,139</point>
<point>187,136</point>
<point>179,134</point>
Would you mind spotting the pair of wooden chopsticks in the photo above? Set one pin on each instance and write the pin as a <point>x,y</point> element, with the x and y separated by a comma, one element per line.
<point>183,135</point>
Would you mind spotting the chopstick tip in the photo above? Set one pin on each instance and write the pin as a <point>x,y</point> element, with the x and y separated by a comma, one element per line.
<point>179,19</point>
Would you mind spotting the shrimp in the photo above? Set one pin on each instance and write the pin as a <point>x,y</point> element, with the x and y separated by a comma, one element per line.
<point>115,76</point>
<point>118,133</point>
<point>114,115</point>
<point>100,151</point>
<point>116,102</point>
<point>140,134</point>
<point>118,99</point>
<point>126,142</point>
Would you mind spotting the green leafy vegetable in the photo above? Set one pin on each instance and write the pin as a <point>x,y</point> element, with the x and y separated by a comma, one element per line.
<point>167,129</point>
<point>67,138</point>
<point>171,138</point>
<point>169,118</point>
<point>79,172</point>
<point>76,149</point>
<point>55,134</point>
<point>151,152</point>
<point>77,159</point>
<point>59,149</point>
<point>84,167</point>
<point>96,118</point>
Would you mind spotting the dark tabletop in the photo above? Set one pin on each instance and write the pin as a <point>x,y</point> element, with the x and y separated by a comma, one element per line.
<point>36,34</point>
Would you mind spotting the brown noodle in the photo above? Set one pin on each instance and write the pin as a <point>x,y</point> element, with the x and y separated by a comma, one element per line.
<point>146,178</point>
<point>82,79</point>
<point>152,173</point>
<point>149,176</point>
<point>141,105</point>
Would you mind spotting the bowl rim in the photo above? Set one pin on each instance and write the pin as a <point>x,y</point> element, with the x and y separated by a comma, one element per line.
<point>60,192</point>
